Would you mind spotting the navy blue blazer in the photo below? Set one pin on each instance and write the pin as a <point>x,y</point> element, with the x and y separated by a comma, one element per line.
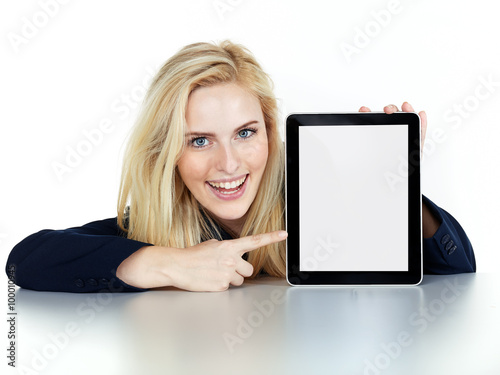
<point>85,259</point>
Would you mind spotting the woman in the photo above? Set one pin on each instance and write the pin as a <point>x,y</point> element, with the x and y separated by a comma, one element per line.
<point>204,165</point>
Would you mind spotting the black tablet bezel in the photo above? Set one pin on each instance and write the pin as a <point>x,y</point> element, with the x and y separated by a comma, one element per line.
<point>341,278</point>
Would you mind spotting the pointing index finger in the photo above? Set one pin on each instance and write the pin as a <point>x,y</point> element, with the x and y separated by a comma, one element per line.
<point>256,241</point>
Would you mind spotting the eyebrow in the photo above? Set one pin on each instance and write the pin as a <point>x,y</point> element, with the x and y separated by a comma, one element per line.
<point>209,134</point>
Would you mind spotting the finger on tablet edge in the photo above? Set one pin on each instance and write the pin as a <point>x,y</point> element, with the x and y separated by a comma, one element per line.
<point>391,108</point>
<point>407,107</point>
<point>256,241</point>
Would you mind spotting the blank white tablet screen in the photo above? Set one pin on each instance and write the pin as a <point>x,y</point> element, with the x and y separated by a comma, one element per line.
<point>353,191</point>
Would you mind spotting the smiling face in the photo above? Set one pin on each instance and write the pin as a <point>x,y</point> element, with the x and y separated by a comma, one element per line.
<point>226,151</point>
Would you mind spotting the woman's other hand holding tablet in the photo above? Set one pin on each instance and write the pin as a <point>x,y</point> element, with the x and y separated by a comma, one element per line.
<point>209,266</point>
<point>406,107</point>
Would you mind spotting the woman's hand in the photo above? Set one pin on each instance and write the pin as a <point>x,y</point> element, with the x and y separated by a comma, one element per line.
<point>209,266</point>
<point>406,107</point>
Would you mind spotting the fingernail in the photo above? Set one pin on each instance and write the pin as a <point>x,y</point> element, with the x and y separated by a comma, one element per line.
<point>283,234</point>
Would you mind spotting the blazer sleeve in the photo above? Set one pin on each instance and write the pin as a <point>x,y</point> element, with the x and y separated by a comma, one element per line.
<point>449,250</point>
<point>80,259</point>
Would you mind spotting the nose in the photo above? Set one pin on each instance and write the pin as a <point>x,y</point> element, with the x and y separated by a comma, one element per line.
<point>228,159</point>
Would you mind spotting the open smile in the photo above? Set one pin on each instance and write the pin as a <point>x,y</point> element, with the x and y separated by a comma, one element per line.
<point>228,189</point>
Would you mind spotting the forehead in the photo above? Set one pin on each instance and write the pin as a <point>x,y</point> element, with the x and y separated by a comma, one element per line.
<point>221,105</point>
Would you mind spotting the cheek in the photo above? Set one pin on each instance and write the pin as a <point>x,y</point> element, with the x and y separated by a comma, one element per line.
<point>192,169</point>
<point>257,159</point>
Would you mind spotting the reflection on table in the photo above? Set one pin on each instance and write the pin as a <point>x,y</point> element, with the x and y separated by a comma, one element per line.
<point>448,324</point>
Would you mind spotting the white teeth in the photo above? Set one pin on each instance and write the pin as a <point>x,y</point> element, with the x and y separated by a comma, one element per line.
<point>227,192</point>
<point>228,185</point>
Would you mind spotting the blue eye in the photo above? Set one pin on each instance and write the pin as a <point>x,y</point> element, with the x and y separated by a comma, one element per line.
<point>246,133</point>
<point>200,142</point>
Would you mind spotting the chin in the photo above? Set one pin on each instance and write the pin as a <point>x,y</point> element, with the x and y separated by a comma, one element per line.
<point>229,217</point>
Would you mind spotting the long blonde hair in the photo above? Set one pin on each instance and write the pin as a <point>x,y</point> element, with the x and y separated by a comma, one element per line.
<point>154,205</point>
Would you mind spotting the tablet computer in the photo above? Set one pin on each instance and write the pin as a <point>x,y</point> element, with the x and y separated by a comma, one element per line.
<point>353,199</point>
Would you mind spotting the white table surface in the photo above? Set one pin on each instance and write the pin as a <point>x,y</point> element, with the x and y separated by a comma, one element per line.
<point>446,325</point>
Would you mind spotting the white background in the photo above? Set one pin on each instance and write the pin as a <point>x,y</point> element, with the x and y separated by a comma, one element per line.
<point>89,54</point>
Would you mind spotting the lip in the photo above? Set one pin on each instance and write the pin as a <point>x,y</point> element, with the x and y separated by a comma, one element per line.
<point>233,196</point>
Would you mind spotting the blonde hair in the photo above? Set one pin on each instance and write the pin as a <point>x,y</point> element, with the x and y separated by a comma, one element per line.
<point>154,205</point>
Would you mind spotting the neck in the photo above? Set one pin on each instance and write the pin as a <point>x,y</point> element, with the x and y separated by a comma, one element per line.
<point>233,227</point>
